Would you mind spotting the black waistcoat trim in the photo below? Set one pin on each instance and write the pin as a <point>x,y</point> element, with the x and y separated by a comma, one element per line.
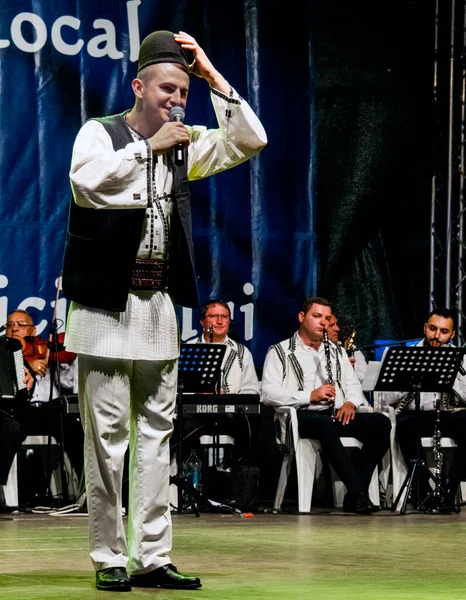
<point>101,245</point>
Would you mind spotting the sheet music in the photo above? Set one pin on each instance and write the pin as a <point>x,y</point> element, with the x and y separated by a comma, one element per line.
<point>372,372</point>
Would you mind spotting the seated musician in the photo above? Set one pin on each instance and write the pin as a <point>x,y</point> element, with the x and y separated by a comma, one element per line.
<point>356,357</point>
<point>439,330</point>
<point>237,376</point>
<point>11,438</point>
<point>33,418</point>
<point>311,375</point>
<point>36,353</point>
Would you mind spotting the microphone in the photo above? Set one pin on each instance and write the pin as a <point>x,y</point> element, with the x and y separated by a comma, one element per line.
<point>177,114</point>
<point>2,328</point>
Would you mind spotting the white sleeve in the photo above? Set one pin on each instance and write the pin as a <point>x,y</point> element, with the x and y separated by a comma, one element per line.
<point>273,392</point>
<point>360,366</point>
<point>249,381</point>
<point>104,178</point>
<point>240,136</point>
<point>459,387</point>
<point>352,386</point>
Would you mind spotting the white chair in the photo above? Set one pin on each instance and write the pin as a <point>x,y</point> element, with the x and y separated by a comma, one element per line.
<point>306,454</point>
<point>399,469</point>
<point>215,447</point>
<point>11,488</point>
<point>31,442</point>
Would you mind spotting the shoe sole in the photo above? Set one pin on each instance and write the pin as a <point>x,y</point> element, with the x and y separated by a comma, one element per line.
<point>114,588</point>
<point>167,586</point>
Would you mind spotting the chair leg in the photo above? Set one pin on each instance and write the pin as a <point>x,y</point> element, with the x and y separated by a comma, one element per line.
<point>384,476</point>
<point>463,491</point>
<point>11,488</point>
<point>283,480</point>
<point>374,490</point>
<point>306,461</point>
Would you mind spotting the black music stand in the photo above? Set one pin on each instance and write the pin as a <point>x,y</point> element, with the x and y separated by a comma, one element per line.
<point>198,372</point>
<point>414,370</point>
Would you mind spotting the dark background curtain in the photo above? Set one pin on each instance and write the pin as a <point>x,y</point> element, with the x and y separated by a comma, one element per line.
<point>338,202</point>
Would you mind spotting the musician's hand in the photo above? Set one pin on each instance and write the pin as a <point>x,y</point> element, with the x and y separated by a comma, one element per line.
<point>352,361</point>
<point>168,136</point>
<point>28,380</point>
<point>324,392</point>
<point>346,413</point>
<point>39,366</point>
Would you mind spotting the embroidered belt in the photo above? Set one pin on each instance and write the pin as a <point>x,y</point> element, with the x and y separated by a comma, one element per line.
<point>150,274</point>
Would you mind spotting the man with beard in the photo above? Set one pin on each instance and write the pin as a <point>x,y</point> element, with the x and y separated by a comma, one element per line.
<point>439,330</point>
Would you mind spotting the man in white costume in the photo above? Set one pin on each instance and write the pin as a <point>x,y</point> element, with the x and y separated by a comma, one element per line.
<point>128,259</point>
<point>439,331</point>
<point>309,373</point>
<point>238,374</point>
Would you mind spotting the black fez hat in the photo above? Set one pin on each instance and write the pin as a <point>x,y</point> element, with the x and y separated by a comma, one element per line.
<point>161,47</point>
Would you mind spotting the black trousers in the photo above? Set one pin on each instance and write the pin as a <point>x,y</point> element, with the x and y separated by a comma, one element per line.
<point>31,420</point>
<point>11,438</point>
<point>372,429</point>
<point>452,425</point>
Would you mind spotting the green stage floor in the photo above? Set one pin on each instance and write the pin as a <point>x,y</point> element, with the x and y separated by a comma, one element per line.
<point>322,556</point>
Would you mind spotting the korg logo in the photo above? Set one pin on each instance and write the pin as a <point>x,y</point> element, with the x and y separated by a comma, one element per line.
<point>207,408</point>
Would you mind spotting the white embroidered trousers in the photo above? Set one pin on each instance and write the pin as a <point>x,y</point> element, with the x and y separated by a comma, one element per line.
<point>128,400</point>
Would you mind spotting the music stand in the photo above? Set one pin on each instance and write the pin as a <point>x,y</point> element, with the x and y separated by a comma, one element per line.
<point>414,370</point>
<point>199,367</point>
<point>198,372</point>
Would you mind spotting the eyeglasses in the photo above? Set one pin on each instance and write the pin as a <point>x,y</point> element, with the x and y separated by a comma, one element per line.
<point>222,317</point>
<point>21,324</point>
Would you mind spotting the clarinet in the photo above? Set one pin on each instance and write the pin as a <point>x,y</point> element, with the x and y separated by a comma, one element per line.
<point>437,450</point>
<point>211,334</point>
<point>328,363</point>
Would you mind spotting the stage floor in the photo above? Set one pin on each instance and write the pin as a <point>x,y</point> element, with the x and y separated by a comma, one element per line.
<point>322,556</point>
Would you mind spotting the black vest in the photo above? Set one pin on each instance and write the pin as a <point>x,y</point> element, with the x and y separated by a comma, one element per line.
<point>101,245</point>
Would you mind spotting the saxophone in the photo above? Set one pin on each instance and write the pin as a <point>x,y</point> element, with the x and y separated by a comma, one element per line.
<point>348,344</point>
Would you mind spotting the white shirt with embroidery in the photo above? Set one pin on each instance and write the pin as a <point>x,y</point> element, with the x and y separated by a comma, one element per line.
<point>102,178</point>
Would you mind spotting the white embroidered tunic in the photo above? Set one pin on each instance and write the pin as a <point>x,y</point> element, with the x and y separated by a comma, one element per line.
<point>104,179</point>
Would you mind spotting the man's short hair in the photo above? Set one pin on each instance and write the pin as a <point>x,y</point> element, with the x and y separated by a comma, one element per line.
<point>314,300</point>
<point>23,312</point>
<point>442,311</point>
<point>205,307</point>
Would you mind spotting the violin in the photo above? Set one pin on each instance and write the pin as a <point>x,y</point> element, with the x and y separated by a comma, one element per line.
<point>36,348</point>
<point>33,347</point>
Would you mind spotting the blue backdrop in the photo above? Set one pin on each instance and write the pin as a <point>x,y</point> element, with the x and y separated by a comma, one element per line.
<point>254,227</point>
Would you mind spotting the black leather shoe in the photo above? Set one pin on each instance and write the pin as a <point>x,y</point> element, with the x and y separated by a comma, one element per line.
<point>439,505</point>
<point>114,579</point>
<point>359,504</point>
<point>5,508</point>
<point>166,577</point>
